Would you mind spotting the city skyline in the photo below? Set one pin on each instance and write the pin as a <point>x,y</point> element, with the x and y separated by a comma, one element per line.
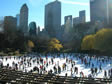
<point>38,16</point>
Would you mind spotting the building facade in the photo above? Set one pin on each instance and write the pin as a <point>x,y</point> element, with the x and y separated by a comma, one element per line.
<point>18,20</point>
<point>24,19</point>
<point>32,29</point>
<point>1,24</point>
<point>76,20</point>
<point>109,3</point>
<point>38,30</point>
<point>68,19</point>
<point>99,11</point>
<point>53,18</point>
<point>10,23</point>
<point>82,16</point>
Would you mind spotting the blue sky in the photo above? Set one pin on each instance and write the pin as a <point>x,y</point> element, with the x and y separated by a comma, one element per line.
<point>36,8</point>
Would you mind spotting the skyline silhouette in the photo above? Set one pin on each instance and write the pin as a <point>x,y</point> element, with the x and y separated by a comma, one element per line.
<point>37,8</point>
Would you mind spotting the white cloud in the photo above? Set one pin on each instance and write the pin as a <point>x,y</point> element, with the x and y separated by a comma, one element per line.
<point>73,2</point>
<point>35,2</point>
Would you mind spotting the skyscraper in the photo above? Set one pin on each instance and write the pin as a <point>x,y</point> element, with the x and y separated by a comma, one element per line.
<point>53,18</point>
<point>99,11</point>
<point>32,30</point>
<point>76,21</point>
<point>68,24</point>
<point>68,19</point>
<point>1,23</point>
<point>10,23</point>
<point>24,19</point>
<point>38,30</point>
<point>109,3</point>
<point>82,16</point>
<point>18,20</point>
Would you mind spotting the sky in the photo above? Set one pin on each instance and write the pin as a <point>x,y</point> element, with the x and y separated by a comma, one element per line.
<point>36,9</point>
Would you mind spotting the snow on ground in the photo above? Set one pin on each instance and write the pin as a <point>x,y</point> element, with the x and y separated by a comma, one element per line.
<point>106,65</point>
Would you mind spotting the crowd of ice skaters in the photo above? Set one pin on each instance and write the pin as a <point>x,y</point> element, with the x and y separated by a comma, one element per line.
<point>59,64</point>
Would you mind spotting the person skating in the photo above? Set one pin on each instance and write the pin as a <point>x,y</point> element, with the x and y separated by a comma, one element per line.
<point>59,69</point>
<point>105,73</point>
<point>96,70</point>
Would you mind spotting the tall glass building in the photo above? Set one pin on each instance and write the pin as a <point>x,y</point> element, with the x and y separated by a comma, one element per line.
<point>24,19</point>
<point>32,29</point>
<point>53,18</point>
<point>99,11</point>
<point>82,16</point>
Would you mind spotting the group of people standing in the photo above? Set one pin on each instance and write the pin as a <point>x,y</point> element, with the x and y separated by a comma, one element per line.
<point>57,64</point>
